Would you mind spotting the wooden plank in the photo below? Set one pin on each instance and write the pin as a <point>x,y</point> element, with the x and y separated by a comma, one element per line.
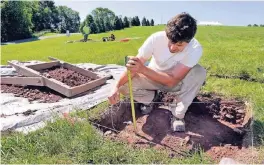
<point>87,86</point>
<point>53,59</point>
<point>24,70</point>
<point>80,70</point>
<point>36,81</point>
<point>51,83</point>
<point>58,86</point>
<point>44,65</point>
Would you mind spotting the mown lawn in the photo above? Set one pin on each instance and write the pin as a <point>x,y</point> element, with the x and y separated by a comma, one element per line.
<point>228,51</point>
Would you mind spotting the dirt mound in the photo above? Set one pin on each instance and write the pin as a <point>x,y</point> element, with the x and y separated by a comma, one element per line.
<point>33,93</point>
<point>67,76</point>
<point>203,128</point>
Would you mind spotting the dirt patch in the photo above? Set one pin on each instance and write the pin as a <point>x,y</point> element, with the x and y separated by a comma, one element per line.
<point>212,123</point>
<point>33,93</point>
<point>66,76</point>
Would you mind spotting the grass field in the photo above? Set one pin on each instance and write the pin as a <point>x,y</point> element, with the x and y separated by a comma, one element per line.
<point>228,52</point>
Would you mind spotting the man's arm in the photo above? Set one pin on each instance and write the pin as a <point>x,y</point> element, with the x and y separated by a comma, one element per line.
<point>123,78</point>
<point>170,80</point>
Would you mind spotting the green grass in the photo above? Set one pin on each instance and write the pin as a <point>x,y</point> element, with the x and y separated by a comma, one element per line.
<point>232,51</point>
<point>229,51</point>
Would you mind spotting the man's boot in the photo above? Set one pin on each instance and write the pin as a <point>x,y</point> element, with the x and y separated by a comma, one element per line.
<point>146,109</point>
<point>177,120</point>
<point>177,125</point>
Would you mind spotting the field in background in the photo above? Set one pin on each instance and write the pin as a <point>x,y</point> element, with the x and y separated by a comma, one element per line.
<point>231,52</point>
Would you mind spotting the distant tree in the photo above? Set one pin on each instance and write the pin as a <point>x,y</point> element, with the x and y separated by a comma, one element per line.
<point>249,25</point>
<point>261,25</point>
<point>99,14</point>
<point>19,19</point>
<point>147,23</point>
<point>89,19</point>
<point>137,21</point>
<point>93,28</point>
<point>133,22</point>
<point>117,23</point>
<point>107,24</point>
<point>121,23</point>
<point>152,22</point>
<point>255,25</point>
<point>45,15</point>
<point>69,19</point>
<point>126,22</point>
<point>144,22</point>
<point>89,22</point>
<point>15,20</point>
<point>99,26</point>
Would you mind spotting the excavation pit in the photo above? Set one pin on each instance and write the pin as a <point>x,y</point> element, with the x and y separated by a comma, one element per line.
<point>213,123</point>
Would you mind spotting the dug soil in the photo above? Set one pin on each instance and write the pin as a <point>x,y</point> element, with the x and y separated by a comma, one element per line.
<point>33,93</point>
<point>66,76</point>
<point>214,124</point>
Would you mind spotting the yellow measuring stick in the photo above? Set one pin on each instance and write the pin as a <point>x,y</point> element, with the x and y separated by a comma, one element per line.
<point>131,96</point>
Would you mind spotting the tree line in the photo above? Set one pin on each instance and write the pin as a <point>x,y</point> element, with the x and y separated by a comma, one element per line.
<point>21,19</point>
<point>256,25</point>
<point>103,20</point>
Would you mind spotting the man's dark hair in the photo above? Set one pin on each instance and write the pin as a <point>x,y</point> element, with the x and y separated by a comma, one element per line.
<point>181,28</point>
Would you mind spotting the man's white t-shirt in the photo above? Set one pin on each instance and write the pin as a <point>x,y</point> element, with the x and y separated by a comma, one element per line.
<point>156,46</point>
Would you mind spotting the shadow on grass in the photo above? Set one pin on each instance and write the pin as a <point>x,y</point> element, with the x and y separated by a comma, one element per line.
<point>258,133</point>
<point>21,41</point>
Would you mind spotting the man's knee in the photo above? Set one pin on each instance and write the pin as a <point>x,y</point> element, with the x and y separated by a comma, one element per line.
<point>199,73</point>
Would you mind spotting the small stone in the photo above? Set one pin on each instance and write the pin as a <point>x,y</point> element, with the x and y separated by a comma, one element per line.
<point>16,95</point>
<point>228,161</point>
<point>107,133</point>
<point>227,145</point>
<point>240,111</point>
<point>239,121</point>
<point>216,116</point>
<point>185,140</point>
<point>229,116</point>
<point>127,122</point>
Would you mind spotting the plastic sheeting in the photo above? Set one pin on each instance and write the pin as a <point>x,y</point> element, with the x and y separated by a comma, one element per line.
<point>12,108</point>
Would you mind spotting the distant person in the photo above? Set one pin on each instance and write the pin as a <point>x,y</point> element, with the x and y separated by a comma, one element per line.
<point>112,37</point>
<point>173,67</point>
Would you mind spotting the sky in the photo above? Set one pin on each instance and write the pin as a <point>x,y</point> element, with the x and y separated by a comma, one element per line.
<point>231,13</point>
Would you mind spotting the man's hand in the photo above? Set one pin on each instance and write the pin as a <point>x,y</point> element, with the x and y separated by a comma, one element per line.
<point>114,96</point>
<point>135,65</point>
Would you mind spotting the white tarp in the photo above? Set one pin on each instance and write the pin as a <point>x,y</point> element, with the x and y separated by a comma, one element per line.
<point>12,108</point>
